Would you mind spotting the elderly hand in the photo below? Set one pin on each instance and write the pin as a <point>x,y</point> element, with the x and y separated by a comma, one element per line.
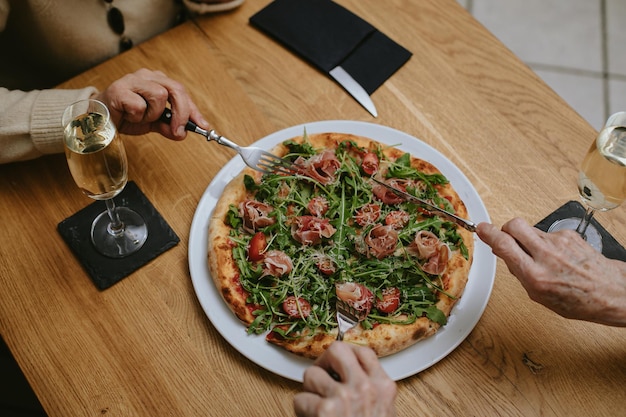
<point>561,271</point>
<point>137,100</point>
<point>364,389</point>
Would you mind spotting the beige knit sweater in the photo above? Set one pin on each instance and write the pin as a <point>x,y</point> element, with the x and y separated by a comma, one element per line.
<point>62,38</point>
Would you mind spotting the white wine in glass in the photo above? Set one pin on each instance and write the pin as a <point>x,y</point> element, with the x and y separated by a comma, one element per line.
<point>601,179</point>
<point>97,160</point>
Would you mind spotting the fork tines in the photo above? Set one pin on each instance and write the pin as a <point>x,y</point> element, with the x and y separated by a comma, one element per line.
<point>347,317</point>
<point>273,164</point>
<point>347,310</point>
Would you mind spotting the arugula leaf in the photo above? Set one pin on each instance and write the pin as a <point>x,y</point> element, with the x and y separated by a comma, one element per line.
<point>304,149</point>
<point>401,168</point>
<point>232,217</point>
<point>249,183</point>
<point>436,315</point>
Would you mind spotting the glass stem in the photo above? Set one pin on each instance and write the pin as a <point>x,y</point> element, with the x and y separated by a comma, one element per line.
<point>584,222</point>
<point>116,227</point>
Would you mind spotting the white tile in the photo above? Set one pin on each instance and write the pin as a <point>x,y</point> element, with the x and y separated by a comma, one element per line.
<point>562,33</point>
<point>583,93</point>
<point>617,95</point>
<point>616,36</point>
<point>464,3</point>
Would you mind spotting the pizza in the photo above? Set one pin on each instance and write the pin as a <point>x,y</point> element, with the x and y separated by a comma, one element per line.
<point>282,247</point>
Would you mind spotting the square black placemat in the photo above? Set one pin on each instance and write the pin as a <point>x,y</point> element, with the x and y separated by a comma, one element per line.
<point>610,247</point>
<point>105,271</point>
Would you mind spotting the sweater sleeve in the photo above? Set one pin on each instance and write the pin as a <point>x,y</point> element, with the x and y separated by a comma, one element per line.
<point>30,122</point>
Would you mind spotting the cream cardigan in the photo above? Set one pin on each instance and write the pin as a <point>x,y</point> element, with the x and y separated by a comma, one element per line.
<point>66,37</point>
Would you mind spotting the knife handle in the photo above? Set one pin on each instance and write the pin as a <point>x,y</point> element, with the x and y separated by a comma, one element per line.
<point>166,117</point>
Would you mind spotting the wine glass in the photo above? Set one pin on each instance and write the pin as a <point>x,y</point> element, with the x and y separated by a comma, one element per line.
<point>97,160</point>
<point>601,179</point>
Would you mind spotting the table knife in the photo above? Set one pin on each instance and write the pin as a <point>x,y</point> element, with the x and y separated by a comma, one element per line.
<point>467,224</point>
<point>354,88</point>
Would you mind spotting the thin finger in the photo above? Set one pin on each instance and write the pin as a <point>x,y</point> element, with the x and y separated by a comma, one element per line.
<point>506,247</point>
<point>368,360</point>
<point>183,107</point>
<point>341,359</point>
<point>181,103</point>
<point>529,237</point>
<point>317,380</point>
<point>305,404</point>
<point>502,243</point>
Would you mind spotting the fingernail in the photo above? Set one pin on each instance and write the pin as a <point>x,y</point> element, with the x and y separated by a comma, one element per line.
<point>180,131</point>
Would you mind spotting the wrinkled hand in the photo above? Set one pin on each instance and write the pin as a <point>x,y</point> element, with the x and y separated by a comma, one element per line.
<point>561,271</point>
<point>365,390</point>
<point>137,100</point>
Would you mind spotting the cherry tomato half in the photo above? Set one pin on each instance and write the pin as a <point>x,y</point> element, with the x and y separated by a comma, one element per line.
<point>256,247</point>
<point>390,300</point>
<point>290,306</point>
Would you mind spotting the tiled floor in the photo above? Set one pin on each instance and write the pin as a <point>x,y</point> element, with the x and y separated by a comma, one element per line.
<point>576,46</point>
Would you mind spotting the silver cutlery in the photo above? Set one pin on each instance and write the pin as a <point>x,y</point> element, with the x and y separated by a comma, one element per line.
<point>347,317</point>
<point>256,158</point>
<point>467,224</point>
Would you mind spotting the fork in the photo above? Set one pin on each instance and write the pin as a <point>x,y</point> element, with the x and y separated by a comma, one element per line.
<point>347,317</point>
<point>256,158</point>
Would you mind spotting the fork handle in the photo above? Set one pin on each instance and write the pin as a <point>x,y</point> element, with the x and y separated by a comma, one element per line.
<point>166,117</point>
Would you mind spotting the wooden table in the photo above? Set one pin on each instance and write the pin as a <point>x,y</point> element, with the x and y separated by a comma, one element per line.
<point>144,347</point>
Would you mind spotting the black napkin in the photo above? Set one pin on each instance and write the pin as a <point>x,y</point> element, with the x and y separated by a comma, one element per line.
<point>610,247</point>
<point>327,35</point>
<point>105,271</point>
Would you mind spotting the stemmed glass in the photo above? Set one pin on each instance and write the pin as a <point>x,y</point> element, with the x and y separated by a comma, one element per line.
<point>601,179</point>
<point>97,160</point>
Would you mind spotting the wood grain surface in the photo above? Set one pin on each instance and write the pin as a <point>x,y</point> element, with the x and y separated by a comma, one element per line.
<point>144,347</point>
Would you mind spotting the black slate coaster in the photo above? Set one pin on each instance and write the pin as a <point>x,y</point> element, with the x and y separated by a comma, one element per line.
<point>105,271</point>
<point>610,247</point>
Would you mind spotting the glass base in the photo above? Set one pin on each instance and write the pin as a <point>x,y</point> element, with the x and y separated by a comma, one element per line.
<point>127,241</point>
<point>592,235</point>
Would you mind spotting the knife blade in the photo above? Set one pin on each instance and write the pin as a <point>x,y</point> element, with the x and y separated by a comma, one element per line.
<point>354,88</point>
<point>467,224</point>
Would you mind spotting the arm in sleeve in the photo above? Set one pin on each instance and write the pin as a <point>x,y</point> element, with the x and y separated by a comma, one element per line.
<point>30,122</point>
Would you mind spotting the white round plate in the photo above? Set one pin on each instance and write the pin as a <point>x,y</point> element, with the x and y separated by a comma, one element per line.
<point>416,358</point>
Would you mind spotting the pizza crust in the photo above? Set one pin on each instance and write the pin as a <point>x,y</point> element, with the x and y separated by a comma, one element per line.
<point>221,264</point>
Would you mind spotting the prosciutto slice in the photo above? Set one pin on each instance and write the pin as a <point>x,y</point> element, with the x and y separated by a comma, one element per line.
<point>381,241</point>
<point>426,243</point>
<point>387,196</point>
<point>255,215</point>
<point>321,167</point>
<point>434,251</point>
<point>309,230</point>
<point>277,263</point>
<point>357,295</point>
